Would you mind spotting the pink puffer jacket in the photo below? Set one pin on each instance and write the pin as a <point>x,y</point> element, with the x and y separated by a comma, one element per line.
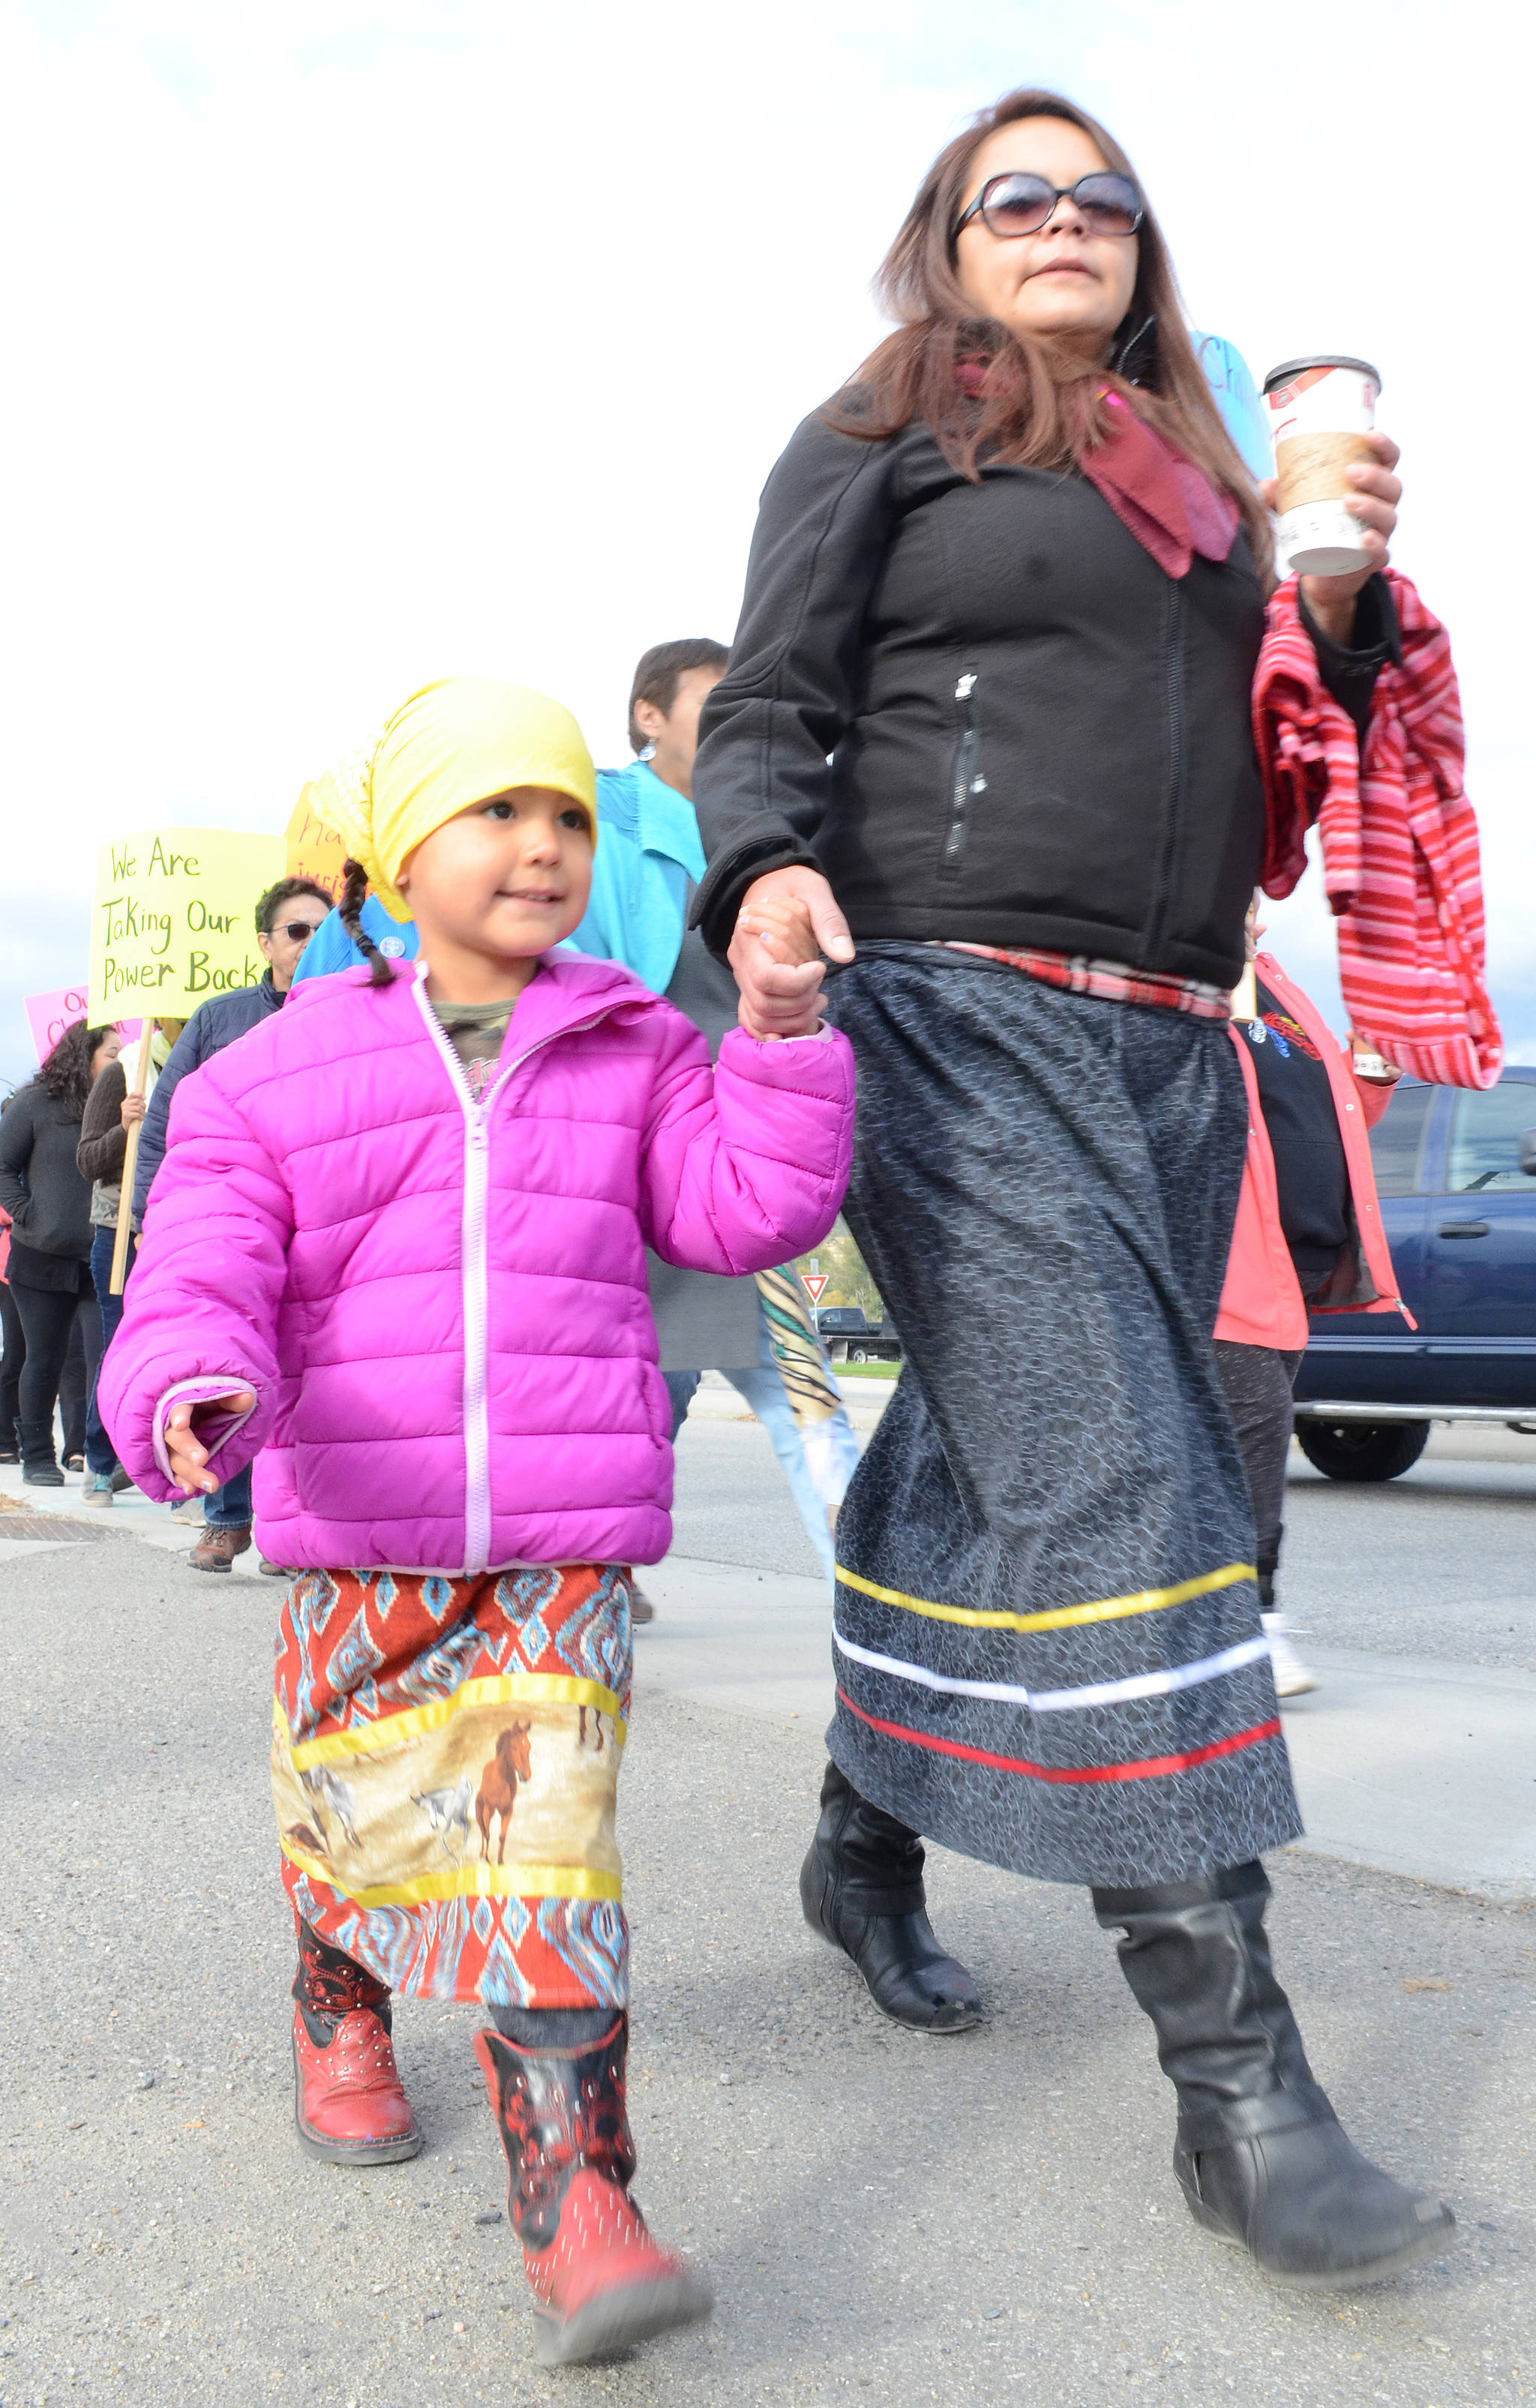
<point>439,1303</point>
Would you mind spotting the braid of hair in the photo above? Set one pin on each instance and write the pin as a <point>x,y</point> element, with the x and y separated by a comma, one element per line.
<point>351,908</point>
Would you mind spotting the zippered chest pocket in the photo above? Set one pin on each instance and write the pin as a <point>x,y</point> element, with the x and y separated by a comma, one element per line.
<point>967,784</point>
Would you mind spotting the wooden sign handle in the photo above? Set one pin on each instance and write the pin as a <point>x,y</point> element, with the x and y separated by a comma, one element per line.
<point>126,1203</point>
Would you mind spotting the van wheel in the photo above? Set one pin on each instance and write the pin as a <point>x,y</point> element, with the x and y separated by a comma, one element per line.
<point>1362,1450</point>
<point>857,1355</point>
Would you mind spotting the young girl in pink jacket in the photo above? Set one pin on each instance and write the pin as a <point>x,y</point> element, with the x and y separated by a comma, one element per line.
<point>397,1249</point>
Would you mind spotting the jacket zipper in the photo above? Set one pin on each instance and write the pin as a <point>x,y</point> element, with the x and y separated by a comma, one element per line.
<point>966,779</point>
<point>1173,671</point>
<point>474,1273</point>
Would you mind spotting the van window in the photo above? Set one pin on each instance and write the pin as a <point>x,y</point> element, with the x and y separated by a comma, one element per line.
<point>1396,1139</point>
<point>1486,1133</point>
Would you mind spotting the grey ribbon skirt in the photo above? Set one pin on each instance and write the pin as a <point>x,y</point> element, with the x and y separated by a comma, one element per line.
<point>1047,1643</point>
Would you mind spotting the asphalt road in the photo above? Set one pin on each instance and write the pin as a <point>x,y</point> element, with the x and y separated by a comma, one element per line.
<point>977,2220</point>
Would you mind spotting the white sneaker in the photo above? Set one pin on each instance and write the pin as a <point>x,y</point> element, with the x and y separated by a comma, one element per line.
<point>1292,1678</point>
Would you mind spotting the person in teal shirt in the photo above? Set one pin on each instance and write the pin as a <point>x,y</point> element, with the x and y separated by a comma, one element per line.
<point>1237,398</point>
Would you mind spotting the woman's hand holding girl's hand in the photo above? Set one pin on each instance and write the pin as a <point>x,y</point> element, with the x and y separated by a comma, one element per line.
<point>1373,501</point>
<point>187,1459</point>
<point>786,922</point>
<point>132,1110</point>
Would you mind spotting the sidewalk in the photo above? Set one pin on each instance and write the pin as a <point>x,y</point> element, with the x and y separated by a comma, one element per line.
<point>1405,1765</point>
<point>130,1514</point>
<point>1415,1768</point>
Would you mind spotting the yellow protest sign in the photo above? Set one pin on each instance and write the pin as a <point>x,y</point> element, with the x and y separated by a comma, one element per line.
<point>314,851</point>
<point>173,919</point>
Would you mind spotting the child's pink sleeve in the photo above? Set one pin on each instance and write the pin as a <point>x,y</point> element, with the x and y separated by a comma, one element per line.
<point>200,1311</point>
<point>747,1167</point>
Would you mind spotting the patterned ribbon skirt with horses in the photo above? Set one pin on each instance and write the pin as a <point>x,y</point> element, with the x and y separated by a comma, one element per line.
<point>445,1758</point>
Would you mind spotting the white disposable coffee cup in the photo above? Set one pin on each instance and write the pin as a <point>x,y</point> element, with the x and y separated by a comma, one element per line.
<point>1320,412</point>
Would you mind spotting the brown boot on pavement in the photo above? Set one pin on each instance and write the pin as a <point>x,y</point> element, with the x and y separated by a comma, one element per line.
<point>216,1551</point>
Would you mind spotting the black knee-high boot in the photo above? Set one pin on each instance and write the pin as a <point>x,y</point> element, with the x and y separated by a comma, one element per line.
<point>1260,2155</point>
<point>861,1887</point>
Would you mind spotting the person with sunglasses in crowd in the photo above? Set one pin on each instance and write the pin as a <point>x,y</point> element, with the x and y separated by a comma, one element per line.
<point>986,742</point>
<point>287,916</point>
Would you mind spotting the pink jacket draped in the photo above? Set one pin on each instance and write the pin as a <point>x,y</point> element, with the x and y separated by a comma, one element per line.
<point>440,1303</point>
<point>1261,1304</point>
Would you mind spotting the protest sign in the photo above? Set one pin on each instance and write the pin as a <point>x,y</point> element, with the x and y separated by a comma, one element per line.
<point>314,851</point>
<point>48,1016</point>
<point>173,919</point>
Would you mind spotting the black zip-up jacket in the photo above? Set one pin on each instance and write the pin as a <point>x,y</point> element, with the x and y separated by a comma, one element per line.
<point>40,1187</point>
<point>985,713</point>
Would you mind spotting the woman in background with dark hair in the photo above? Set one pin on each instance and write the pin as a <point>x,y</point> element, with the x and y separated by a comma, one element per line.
<point>50,1208</point>
<point>988,714</point>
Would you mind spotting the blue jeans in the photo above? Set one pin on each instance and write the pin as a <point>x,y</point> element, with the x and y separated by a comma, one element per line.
<point>100,1453</point>
<point>763,1389</point>
<point>229,1506</point>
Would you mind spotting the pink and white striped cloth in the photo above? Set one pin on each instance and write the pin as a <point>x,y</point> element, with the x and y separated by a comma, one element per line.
<point>1399,838</point>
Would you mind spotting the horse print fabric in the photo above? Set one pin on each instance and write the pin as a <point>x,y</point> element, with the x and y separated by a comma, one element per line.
<point>445,1762</point>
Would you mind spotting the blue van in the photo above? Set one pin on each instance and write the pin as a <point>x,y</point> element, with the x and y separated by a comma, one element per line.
<point>1455,1173</point>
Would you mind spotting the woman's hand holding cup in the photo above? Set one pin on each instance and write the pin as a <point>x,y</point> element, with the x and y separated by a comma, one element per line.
<point>1372,502</point>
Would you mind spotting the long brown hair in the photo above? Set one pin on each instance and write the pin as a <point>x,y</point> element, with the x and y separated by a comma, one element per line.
<point>1030,405</point>
<point>66,1072</point>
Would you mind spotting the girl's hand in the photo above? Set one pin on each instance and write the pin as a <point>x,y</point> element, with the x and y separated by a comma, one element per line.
<point>187,1459</point>
<point>786,922</point>
<point>132,1110</point>
<point>1374,499</point>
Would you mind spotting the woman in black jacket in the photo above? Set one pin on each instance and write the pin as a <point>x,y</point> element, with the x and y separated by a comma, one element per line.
<point>49,1206</point>
<point>985,737</point>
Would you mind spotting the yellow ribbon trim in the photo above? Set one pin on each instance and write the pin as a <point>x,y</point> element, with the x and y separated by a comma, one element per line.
<point>1061,1617</point>
<point>493,1689</point>
<point>468,1881</point>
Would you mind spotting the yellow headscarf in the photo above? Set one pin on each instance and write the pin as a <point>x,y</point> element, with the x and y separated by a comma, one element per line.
<point>451,745</point>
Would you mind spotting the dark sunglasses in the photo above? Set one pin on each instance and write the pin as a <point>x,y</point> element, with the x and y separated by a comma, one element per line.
<point>294,930</point>
<point>1018,203</point>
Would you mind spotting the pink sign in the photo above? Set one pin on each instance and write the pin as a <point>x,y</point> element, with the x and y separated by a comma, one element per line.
<point>50,1016</point>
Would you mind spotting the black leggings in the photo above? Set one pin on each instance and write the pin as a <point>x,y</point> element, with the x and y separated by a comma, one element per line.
<point>47,1320</point>
<point>11,1360</point>
<point>1258,1381</point>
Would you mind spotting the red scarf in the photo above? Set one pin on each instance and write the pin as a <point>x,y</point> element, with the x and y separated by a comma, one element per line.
<point>1169,505</point>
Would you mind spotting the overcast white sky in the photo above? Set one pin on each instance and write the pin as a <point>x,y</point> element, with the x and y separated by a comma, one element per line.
<point>354,342</point>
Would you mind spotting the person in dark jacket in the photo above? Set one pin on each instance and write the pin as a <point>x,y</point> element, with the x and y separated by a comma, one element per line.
<point>287,916</point>
<point>985,742</point>
<point>50,1208</point>
<point>110,1112</point>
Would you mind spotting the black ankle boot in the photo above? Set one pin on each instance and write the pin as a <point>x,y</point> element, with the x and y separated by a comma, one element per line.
<point>861,1887</point>
<point>1260,2156</point>
<point>39,1464</point>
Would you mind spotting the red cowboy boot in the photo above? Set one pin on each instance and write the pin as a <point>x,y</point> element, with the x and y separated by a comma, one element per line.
<point>599,2280</point>
<point>348,2103</point>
